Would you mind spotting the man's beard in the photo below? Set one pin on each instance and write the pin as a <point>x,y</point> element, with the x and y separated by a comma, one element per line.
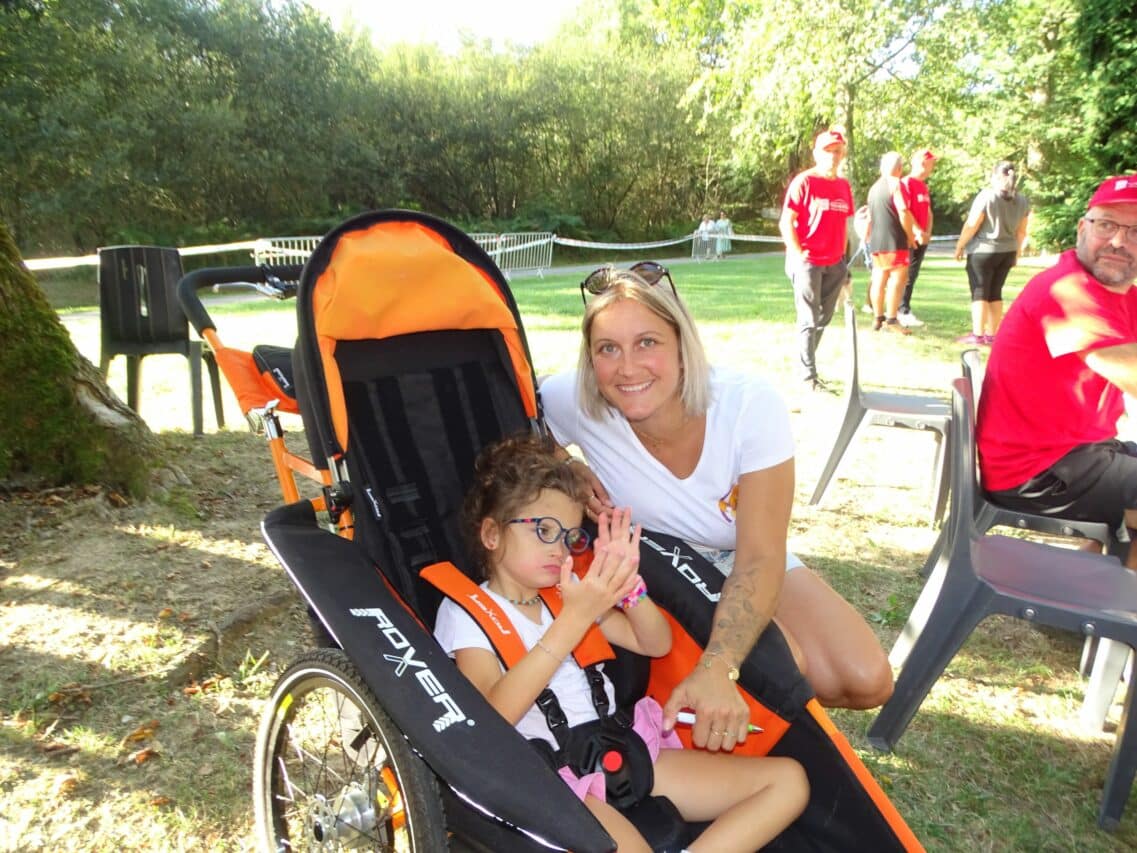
<point>1107,271</point>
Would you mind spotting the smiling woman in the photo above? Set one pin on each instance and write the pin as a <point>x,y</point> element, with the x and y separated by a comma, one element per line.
<point>443,22</point>
<point>707,456</point>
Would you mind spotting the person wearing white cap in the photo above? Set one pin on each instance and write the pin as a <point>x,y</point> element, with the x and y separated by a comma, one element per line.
<point>1065,355</point>
<point>813,225</point>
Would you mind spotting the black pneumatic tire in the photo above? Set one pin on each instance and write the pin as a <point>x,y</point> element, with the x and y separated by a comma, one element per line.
<point>332,772</point>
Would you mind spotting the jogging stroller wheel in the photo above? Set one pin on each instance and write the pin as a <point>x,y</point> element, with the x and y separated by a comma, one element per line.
<point>332,772</point>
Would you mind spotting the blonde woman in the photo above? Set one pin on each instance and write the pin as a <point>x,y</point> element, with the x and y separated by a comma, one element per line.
<point>706,455</point>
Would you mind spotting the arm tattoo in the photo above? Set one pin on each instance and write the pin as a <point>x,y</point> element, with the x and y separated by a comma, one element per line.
<point>738,618</point>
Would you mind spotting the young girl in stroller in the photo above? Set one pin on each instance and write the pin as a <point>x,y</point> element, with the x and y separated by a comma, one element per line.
<point>522,521</point>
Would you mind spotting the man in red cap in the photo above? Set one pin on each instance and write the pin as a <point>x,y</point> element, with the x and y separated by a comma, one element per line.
<point>1060,365</point>
<point>813,225</point>
<point>915,191</point>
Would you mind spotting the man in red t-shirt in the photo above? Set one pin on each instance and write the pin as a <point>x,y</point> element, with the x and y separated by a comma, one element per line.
<point>919,199</point>
<point>813,224</point>
<point>1053,392</point>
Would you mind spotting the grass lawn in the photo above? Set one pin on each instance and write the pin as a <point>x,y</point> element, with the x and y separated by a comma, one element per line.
<point>995,760</point>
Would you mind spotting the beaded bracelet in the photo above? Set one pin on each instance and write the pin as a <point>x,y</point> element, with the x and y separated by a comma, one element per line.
<point>638,594</point>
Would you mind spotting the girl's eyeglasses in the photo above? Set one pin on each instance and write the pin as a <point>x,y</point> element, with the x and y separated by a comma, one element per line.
<point>600,280</point>
<point>550,531</point>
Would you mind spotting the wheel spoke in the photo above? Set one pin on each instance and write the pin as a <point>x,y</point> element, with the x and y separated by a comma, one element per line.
<point>335,778</point>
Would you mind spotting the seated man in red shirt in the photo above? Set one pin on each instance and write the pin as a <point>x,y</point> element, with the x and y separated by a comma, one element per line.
<point>1064,357</point>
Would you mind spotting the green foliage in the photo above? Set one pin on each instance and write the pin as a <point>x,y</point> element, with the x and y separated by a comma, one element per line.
<point>1099,49</point>
<point>177,121</point>
<point>1107,44</point>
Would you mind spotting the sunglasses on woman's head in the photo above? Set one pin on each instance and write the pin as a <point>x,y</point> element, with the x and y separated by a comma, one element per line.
<point>601,279</point>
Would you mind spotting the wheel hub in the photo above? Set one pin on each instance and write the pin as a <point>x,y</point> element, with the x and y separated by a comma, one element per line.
<point>346,822</point>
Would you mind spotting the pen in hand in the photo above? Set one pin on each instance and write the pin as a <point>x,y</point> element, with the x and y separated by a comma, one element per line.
<point>686,718</point>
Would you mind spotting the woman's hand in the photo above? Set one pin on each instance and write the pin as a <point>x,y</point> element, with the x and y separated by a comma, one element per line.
<point>747,604</point>
<point>722,716</point>
<point>599,501</point>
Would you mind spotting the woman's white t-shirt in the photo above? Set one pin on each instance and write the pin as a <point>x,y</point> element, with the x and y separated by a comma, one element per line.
<point>748,429</point>
<point>456,629</point>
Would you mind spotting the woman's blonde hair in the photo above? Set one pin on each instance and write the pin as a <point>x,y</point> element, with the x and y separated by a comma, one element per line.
<point>695,382</point>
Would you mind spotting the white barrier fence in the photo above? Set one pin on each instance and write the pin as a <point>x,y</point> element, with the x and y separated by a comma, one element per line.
<point>279,251</point>
<point>517,252</point>
<point>513,252</point>
<point>520,252</point>
<point>38,264</point>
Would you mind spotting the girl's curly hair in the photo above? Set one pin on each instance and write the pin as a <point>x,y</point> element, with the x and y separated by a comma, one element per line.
<point>509,474</point>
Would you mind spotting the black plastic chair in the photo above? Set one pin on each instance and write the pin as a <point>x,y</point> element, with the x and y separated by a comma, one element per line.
<point>911,411</point>
<point>980,575</point>
<point>140,315</point>
<point>1102,661</point>
<point>988,515</point>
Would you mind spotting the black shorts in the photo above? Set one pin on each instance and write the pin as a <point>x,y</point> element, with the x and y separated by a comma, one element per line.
<point>1094,482</point>
<point>987,273</point>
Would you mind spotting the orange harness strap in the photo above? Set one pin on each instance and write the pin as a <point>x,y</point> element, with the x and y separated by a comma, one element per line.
<point>498,627</point>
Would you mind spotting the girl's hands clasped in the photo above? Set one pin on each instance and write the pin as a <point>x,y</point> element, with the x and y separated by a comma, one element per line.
<point>614,570</point>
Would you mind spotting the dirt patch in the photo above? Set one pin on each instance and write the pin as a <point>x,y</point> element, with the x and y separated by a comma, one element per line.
<point>136,642</point>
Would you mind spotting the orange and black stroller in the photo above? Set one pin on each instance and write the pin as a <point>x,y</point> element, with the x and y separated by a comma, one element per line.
<point>262,379</point>
<point>411,357</point>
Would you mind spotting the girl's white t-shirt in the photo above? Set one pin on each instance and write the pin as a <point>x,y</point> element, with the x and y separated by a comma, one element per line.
<point>456,629</point>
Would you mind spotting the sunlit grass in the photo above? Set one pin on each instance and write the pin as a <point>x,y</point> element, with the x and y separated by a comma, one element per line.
<point>995,760</point>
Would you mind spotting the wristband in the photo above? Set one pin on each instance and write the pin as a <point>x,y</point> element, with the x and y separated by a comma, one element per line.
<point>638,594</point>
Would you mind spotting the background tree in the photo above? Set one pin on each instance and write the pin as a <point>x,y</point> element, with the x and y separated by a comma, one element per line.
<point>1106,33</point>
<point>176,121</point>
<point>183,121</point>
<point>61,423</point>
<point>784,71</point>
<point>1102,141</point>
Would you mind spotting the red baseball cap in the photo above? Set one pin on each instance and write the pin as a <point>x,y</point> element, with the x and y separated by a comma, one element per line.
<point>1119,190</point>
<point>925,155</point>
<point>827,139</point>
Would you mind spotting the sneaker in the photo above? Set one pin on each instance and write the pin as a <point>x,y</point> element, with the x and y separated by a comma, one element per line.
<point>972,338</point>
<point>877,323</point>
<point>893,325</point>
<point>909,320</point>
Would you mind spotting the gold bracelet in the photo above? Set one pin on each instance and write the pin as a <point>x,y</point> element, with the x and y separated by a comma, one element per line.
<point>549,652</point>
<point>731,671</point>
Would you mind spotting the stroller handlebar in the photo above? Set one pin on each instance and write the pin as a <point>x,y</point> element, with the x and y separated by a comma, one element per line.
<point>276,282</point>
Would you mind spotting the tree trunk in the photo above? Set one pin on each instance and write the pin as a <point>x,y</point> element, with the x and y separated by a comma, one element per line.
<point>59,422</point>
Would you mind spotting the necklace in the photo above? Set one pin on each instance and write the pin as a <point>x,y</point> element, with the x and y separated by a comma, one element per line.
<point>524,602</point>
<point>673,436</point>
